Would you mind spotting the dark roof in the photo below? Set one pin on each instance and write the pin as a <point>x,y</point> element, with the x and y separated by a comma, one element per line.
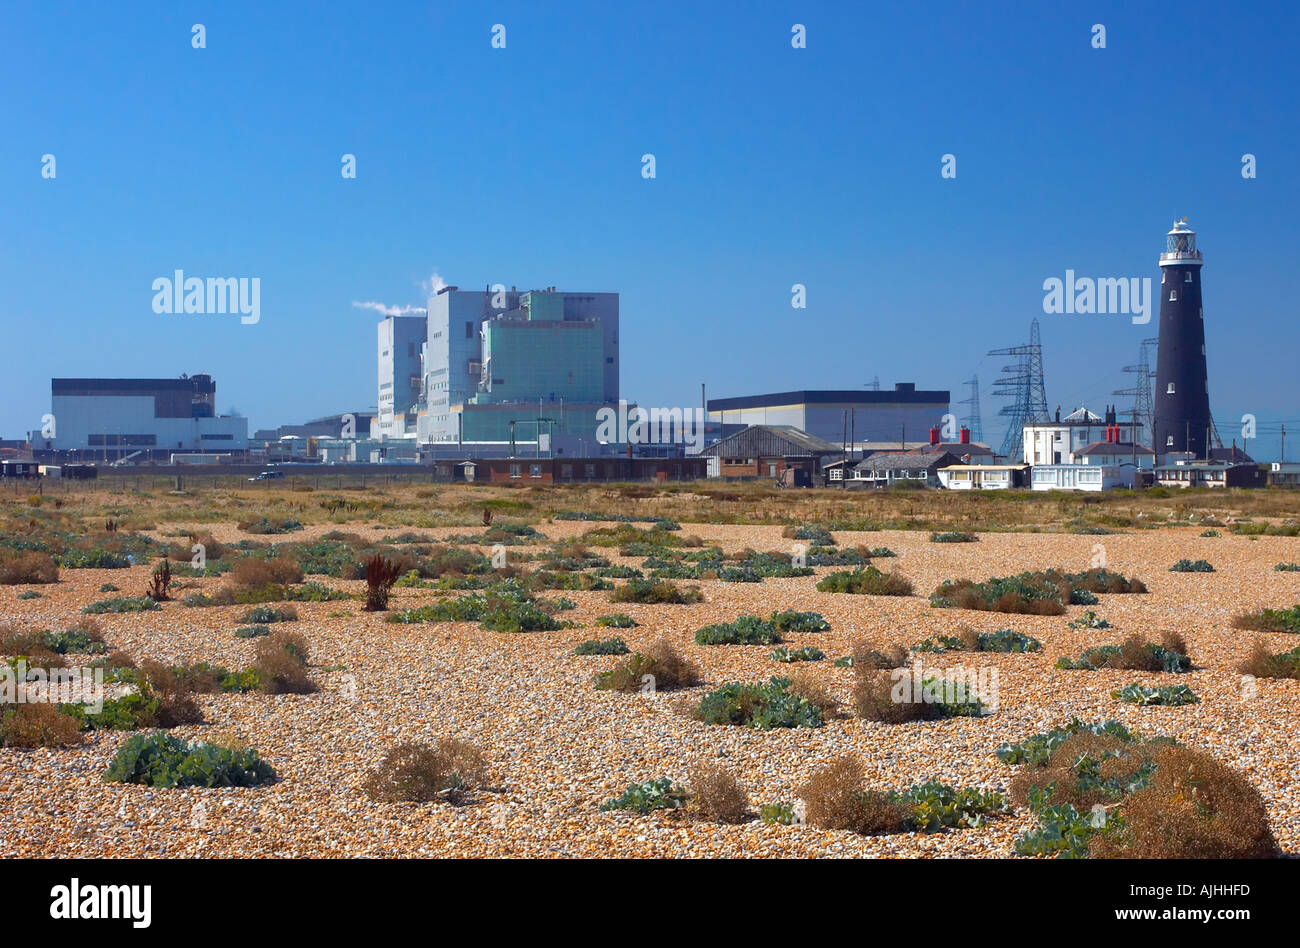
<point>770,441</point>
<point>957,448</point>
<point>1115,448</point>
<point>200,384</point>
<point>1205,465</point>
<point>902,392</point>
<point>1233,453</point>
<point>906,461</point>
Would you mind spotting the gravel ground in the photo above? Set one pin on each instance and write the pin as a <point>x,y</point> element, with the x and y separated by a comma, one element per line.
<point>559,749</point>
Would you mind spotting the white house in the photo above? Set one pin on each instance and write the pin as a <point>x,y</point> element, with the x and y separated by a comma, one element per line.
<point>983,476</point>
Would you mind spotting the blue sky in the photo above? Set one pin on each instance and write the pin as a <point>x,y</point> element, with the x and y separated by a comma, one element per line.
<point>522,165</point>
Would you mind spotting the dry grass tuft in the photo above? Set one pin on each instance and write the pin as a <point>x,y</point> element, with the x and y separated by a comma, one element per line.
<point>280,661</point>
<point>253,572</point>
<point>1194,807</point>
<point>805,683</point>
<point>834,798</point>
<point>717,795</point>
<point>38,725</point>
<point>418,773</point>
<point>867,657</point>
<point>16,568</point>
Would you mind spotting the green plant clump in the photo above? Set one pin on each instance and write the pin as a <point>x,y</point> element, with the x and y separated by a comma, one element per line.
<point>760,706</point>
<point>953,536</point>
<point>797,623</point>
<point>122,604</point>
<point>747,630</point>
<point>161,760</point>
<point>661,794</point>
<point>1089,620</point>
<point>1191,566</point>
<point>806,654</point>
<point>1168,695</point>
<point>617,620</point>
<point>1038,749</point>
<point>866,580</point>
<point>602,647</point>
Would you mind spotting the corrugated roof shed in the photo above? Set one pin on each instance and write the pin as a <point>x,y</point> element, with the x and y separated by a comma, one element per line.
<point>770,441</point>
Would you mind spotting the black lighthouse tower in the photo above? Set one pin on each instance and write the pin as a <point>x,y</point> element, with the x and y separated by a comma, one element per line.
<point>1182,396</point>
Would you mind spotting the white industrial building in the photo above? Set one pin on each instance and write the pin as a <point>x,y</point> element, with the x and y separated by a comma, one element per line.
<point>139,418</point>
<point>401,357</point>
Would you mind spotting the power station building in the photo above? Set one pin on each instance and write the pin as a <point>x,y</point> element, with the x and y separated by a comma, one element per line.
<point>401,356</point>
<point>510,365</point>
<point>145,418</point>
<point>900,415</point>
<point>1182,396</point>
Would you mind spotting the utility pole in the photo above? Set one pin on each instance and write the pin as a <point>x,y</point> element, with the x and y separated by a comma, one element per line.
<point>1283,441</point>
<point>844,452</point>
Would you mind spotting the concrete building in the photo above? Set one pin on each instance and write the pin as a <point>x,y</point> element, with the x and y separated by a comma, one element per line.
<point>401,347</point>
<point>903,413</point>
<point>543,359</point>
<point>146,419</point>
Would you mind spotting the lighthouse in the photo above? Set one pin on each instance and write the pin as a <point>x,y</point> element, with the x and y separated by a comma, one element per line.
<point>1182,396</point>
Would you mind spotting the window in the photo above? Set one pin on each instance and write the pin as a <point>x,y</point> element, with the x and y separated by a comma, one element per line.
<point>1188,277</point>
<point>590,471</point>
<point>469,330</point>
<point>534,470</point>
<point>1162,276</point>
<point>1169,390</point>
<point>1169,441</point>
<point>514,470</point>
<point>1173,295</point>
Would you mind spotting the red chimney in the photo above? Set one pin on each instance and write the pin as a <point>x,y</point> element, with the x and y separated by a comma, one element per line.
<point>934,435</point>
<point>965,435</point>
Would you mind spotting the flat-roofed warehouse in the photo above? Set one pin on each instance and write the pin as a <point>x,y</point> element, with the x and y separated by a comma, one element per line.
<point>884,415</point>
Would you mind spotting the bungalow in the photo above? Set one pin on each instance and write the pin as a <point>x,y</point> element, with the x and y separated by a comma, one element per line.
<point>983,476</point>
<point>1211,474</point>
<point>883,470</point>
